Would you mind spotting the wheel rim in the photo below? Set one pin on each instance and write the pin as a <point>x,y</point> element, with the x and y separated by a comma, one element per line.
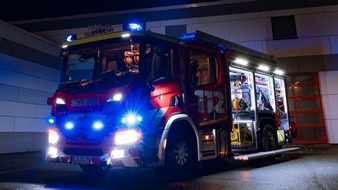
<point>271,140</point>
<point>181,153</point>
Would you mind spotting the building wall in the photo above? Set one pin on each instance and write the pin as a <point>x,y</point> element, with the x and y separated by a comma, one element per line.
<point>317,30</point>
<point>314,50</point>
<point>29,74</point>
<point>329,93</point>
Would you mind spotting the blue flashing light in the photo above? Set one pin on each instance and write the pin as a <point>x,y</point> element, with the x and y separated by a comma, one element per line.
<point>71,37</point>
<point>187,36</point>
<point>98,125</point>
<point>51,120</point>
<point>69,125</point>
<point>134,26</point>
<point>131,119</point>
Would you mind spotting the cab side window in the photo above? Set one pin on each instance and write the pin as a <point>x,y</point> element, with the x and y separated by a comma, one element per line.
<point>203,68</point>
<point>160,62</point>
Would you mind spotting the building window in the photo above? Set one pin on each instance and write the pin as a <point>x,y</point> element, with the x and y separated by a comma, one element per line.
<point>283,27</point>
<point>175,30</point>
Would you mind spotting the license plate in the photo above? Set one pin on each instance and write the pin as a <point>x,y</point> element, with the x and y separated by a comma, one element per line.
<point>81,160</point>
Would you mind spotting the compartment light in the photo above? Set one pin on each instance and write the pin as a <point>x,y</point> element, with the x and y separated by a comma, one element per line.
<point>241,61</point>
<point>263,68</point>
<point>279,72</point>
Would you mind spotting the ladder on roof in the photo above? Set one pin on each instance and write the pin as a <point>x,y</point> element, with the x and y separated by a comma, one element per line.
<point>236,47</point>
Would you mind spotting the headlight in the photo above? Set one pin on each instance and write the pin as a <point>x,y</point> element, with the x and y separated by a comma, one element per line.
<point>60,101</point>
<point>115,98</point>
<point>52,151</point>
<point>53,137</point>
<point>127,136</point>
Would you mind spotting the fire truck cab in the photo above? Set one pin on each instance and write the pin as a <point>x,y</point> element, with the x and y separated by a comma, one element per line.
<point>142,99</point>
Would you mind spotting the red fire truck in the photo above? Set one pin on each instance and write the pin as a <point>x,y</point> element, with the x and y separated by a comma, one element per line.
<point>142,99</point>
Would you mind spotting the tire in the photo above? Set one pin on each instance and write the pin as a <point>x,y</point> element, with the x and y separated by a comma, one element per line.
<point>95,169</point>
<point>269,138</point>
<point>180,156</point>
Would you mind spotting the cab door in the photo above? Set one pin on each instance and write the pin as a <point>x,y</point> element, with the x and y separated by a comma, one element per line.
<point>205,98</point>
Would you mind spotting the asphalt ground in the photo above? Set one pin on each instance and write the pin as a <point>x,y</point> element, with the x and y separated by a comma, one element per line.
<point>25,160</point>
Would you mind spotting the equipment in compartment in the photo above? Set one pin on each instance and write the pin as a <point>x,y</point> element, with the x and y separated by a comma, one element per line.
<point>280,99</point>
<point>264,92</point>
<point>240,88</point>
<point>242,134</point>
<point>263,99</point>
<point>239,80</point>
<point>281,108</point>
<point>240,104</point>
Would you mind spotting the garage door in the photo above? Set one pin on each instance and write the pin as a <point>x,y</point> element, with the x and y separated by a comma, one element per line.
<point>306,108</point>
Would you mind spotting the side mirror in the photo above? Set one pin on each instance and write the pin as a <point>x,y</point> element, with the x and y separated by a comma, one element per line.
<point>176,101</point>
<point>49,101</point>
<point>151,88</point>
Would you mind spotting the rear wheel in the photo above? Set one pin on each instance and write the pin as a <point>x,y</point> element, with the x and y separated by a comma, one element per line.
<point>180,156</point>
<point>269,138</point>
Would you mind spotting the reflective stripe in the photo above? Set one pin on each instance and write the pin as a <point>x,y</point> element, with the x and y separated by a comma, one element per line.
<point>128,161</point>
<point>158,116</point>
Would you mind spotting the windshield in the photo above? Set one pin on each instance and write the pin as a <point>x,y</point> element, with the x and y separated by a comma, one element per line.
<point>117,63</point>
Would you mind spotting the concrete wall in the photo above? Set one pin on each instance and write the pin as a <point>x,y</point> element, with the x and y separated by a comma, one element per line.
<point>317,30</point>
<point>29,74</point>
<point>329,93</point>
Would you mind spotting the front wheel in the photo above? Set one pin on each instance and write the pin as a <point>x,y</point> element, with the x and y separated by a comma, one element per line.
<point>269,138</point>
<point>180,156</point>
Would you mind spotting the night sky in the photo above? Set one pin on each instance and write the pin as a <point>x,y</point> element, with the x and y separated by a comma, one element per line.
<point>36,9</point>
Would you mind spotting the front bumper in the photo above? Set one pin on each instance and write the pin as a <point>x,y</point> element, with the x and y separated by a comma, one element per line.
<point>78,159</point>
<point>119,157</point>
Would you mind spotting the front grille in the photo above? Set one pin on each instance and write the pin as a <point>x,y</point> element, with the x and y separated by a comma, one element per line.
<point>83,129</point>
<point>84,143</point>
<point>83,151</point>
